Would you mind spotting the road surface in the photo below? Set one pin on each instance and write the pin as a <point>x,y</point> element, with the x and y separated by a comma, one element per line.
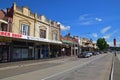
<point>93,68</point>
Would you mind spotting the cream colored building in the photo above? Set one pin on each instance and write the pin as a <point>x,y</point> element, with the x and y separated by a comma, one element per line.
<point>34,24</point>
<point>86,45</point>
<point>32,36</point>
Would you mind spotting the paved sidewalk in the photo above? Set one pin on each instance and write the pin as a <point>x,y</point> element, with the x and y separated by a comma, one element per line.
<point>10,65</point>
<point>116,72</point>
<point>118,56</point>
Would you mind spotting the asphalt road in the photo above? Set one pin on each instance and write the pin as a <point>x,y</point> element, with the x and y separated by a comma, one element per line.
<point>93,68</point>
<point>96,70</point>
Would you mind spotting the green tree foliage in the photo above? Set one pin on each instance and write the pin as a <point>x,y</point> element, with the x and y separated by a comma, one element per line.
<point>102,44</point>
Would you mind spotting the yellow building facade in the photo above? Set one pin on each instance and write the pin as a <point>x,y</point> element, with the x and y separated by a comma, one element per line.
<point>32,36</point>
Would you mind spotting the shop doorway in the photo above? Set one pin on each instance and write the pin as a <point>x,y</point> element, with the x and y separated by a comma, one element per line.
<point>31,53</point>
<point>4,52</point>
<point>40,55</point>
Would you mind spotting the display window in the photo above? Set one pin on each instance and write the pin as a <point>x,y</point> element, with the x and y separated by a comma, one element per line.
<point>20,53</point>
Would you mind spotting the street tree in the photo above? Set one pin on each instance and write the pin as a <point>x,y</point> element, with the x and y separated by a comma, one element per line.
<point>102,44</point>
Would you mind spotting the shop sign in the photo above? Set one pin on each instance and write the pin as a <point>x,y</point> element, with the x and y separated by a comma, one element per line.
<point>3,33</point>
<point>36,38</point>
<point>16,35</point>
<point>8,34</point>
<point>30,38</point>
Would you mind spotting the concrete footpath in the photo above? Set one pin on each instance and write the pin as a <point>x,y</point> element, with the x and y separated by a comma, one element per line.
<point>116,72</point>
<point>11,65</point>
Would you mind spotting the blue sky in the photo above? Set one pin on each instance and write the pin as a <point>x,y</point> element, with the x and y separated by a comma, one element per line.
<point>86,18</point>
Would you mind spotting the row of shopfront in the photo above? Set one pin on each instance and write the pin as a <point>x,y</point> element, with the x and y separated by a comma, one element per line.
<point>15,49</point>
<point>19,47</point>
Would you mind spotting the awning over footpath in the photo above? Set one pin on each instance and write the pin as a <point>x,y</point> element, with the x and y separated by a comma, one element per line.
<point>20,36</point>
<point>67,42</point>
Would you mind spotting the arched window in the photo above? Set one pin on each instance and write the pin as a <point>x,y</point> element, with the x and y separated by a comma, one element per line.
<point>54,36</point>
<point>42,33</point>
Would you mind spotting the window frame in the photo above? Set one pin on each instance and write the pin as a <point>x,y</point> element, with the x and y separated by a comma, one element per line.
<point>26,31</point>
<point>42,33</point>
<point>54,37</point>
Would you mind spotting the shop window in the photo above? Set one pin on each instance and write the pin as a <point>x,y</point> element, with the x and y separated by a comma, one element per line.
<point>42,33</point>
<point>24,53</point>
<point>24,29</point>
<point>17,53</point>
<point>54,36</point>
<point>20,53</point>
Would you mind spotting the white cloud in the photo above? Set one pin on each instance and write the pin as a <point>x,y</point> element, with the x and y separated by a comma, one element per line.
<point>83,17</point>
<point>95,35</point>
<point>94,41</point>
<point>87,19</point>
<point>114,32</point>
<point>98,19</point>
<point>107,36</point>
<point>104,30</point>
<point>86,23</point>
<point>64,28</point>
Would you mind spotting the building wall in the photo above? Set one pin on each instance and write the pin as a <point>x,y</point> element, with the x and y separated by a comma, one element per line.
<point>2,14</point>
<point>23,15</point>
<point>41,23</point>
<point>22,18</point>
<point>55,29</point>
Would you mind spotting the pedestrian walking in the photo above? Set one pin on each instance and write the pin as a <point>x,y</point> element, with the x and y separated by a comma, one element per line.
<point>115,53</point>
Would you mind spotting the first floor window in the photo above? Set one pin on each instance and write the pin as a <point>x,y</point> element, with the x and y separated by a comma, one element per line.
<point>54,36</point>
<point>24,29</point>
<point>42,33</point>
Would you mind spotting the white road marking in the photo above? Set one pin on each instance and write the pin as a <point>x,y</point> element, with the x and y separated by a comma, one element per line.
<point>112,71</point>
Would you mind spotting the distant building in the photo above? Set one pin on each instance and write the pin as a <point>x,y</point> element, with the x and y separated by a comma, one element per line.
<point>86,45</point>
<point>71,45</point>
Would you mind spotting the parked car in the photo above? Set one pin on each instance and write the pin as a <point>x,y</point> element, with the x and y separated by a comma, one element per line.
<point>80,55</point>
<point>95,53</point>
<point>90,53</point>
<point>105,51</point>
<point>84,55</point>
<point>87,54</point>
